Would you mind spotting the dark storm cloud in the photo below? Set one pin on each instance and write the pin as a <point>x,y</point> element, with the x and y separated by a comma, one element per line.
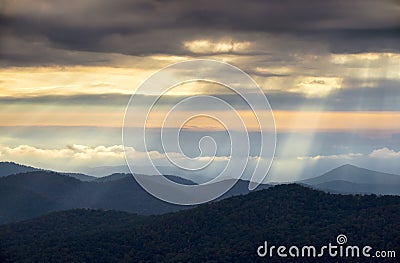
<point>81,99</point>
<point>54,29</point>
<point>382,95</point>
<point>351,99</point>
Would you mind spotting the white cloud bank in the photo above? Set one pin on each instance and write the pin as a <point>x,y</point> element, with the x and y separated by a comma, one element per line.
<point>347,156</point>
<point>74,152</point>
<point>75,157</point>
<point>78,157</point>
<point>385,153</point>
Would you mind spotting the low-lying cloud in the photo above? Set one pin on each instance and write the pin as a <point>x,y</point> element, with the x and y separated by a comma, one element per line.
<point>385,153</point>
<point>79,158</point>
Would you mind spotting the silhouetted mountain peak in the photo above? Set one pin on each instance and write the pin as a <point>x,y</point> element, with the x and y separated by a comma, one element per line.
<point>40,177</point>
<point>112,177</point>
<point>366,181</point>
<point>8,168</point>
<point>348,166</point>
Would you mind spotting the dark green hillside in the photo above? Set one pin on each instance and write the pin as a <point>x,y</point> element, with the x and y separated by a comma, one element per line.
<point>226,231</point>
<point>28,195</point>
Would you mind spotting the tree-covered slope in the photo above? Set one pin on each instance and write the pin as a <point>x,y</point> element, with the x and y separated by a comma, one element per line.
<point>226,231</point>
<point>28,195</point>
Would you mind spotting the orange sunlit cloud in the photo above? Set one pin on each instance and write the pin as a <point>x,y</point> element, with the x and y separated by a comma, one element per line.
<point>285,120</point>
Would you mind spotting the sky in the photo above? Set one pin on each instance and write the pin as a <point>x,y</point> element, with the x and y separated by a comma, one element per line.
<point>330,70</point>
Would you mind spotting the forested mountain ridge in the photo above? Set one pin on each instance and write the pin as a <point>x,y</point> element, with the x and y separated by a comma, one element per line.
<point>225,231</point>
<point>31,194</point>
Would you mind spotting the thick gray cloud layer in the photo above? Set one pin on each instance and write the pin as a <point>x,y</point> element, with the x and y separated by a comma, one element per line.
<point>57,32</point>
<point>383,96</point>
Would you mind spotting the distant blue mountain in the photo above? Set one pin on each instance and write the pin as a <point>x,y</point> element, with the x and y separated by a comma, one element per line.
<point>30,194</point>
<point>8,168</point>
<point>352,179</point>
<point>118,176</point>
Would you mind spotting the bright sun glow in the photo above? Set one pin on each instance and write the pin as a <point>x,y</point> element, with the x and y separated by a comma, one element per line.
<point>207,46</point>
